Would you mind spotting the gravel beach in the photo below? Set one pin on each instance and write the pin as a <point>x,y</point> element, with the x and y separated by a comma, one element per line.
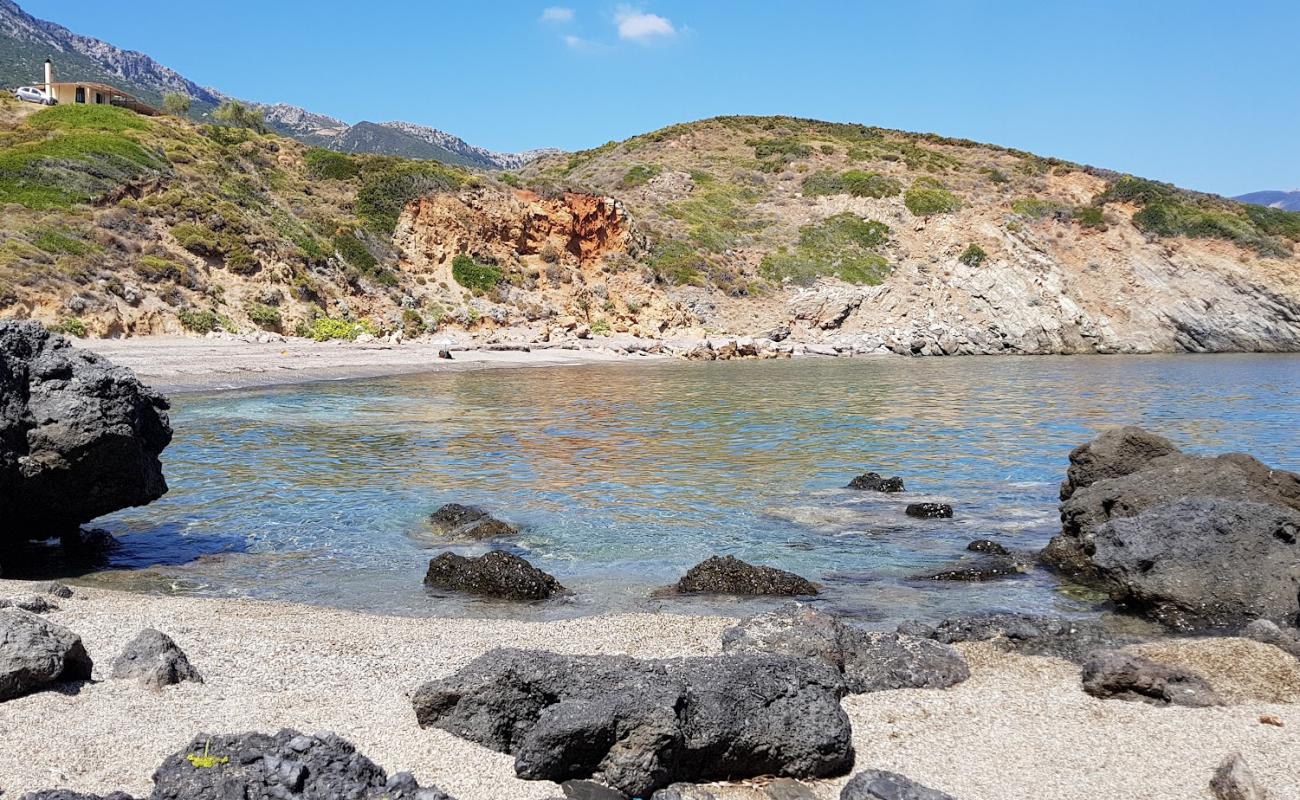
<point>1019,728</point>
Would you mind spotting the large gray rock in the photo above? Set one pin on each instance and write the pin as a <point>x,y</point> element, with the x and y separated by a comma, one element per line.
<point>496,574</point>
<point>286,765</point>
<point>36,653</point>
<point>875,784</point>
<point>730,575</point>
<point>470,522</point>
<point>1026,634</point>
<point>79,437</point>
<point>1115,674</point>
<point>1233,780</point>
<point>869,661</point>
<point>154,660</point>
<point>1205,541</point>
<point>642,725</point>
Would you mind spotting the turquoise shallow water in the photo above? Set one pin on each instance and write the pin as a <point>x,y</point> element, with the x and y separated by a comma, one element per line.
<point>624,476</point>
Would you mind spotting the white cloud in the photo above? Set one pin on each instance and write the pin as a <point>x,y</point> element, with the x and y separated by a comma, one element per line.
<point>638,26</point>
<point>557,14</point>
<point>574,41</point>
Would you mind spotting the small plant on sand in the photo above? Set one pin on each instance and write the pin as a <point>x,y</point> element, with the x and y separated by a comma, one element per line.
<point>198,321</point>
<point>323,329</point>
<point>206,761</point>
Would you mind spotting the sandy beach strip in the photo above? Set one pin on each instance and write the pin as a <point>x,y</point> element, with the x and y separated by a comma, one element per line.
<point>1019,728</point>
<point>187,364</point>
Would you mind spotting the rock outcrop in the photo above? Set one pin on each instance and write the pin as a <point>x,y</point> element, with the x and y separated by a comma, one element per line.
<point>1027,634</point>
<point>643,725</point>
<point>496,574</point>
<point>730,575</point>
<point>1187,540</point>
<point>870,661</point>
<point>1115,674</point>
<point>36,653</point>
<point>154,660</point>
<point>470,522</point>
<point>875,784</point>
<point>79,437</point>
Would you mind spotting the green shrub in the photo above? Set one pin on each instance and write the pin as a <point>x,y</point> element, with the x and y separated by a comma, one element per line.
<point>237,115</point>
<point>823,183</point>
<point>60,243</point>
<point>927,196</point>
<point>841,246</point>
<point>412,323</point>
<point>677,263</point>
<point>716,215</point>
<point>1138,191</point>
<point>1035,208</point>
<point>75,117</point>
<point>72,326</point>
<point>196,239</point>
<point>198,321</point>
<point>511,179</point>
<point>241,261</point>
<point>870,184</point>
<point>786,147</point>
<point>71,167</point>
<point>264,316</point>
<point>354,252</point>
<point>1274,221</point>
<point>1090,217</point>
<point>325,328</point>
<point>155,269</point>
<point>176,103</point>
<point>973,256</point>
<point>384,193</point>
<point>600,327</point>
<point>473,275</point>
<point>329,165</point>
<point>639,175</point>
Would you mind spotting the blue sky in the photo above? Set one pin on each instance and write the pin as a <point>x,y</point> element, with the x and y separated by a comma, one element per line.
<point>1204,94</point>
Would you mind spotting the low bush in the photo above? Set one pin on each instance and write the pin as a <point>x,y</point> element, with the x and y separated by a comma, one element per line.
<point>870,184</point>
<point>198,239</point>
<point>412,323</point>
<point>264,316</point>
<point>329,165</point>
<point>60,243</point>
<point>1090,217</point>
<point>639,175</point>
<point>973,256</point>
<point>326,328</point>
<point>198,321</point>
<point>841,246</point>
<point>677,263</point>
<point>384,193</point>
<point>473,275</point>
<point>927,196</point>
<point>155,269</point>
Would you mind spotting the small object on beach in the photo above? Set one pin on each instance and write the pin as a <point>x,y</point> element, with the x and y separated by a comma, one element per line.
<point>59,590</point>
<point>875,784</point>
<point>874,482</point>
<point>730,575</point>
<point>496,574</point>
<point>1118,675</point>
<point>444,353</point>
<point>929,510</point>
<point>470,521</point>
<point>1269,719</point>
<point>1233,780</point>
<point>155,660</point>
<point>987,546</point>
<point>36,653</point>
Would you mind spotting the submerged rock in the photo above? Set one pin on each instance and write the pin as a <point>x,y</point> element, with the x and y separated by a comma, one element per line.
<point>929,510</point>
<point>155,661</point>
<point>79,437</point>
<point>980,569</point>
<point>874,482</point>
<point>869,661</point>
<point>288,765</point>
<point>495,574</point>
<point>1027,634</point>
<point>36,653</point>
<point>1115,674</point>
<point>471,522</point>
<point>875,784</point>
<point>643,725</point>
<point>730,575</point>
<point>987,546</point>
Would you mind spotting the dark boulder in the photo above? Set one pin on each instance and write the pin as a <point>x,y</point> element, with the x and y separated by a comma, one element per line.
<point>1026,634</point>
<point>929,510</point>
<point>875,784</point>
<point>286,765</point>
<point>1233,780</point>
<point>33,603</point>
<point>643,725</point>
<point>874,482</point>
<point>1113,454</point>
<point>988,546</point>
<point>36,653</point>
<point>79,437</point>
<point>154,660</point>
<point>470,522</point>
<point>730,575</point>
<point>978,569</point>
<point>870,661</point>
<point>495,574</point>
<point>1115,674</point>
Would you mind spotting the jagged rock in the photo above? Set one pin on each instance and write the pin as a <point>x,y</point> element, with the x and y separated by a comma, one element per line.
<point>1233,780</point>
<point>1158,536</point>
<point>1262,630</point>
<point>495,574</point>
<point>929,510</point>
<point>79,437</point>
<point>987,546</point>
<point>875,784</point>
<point>1114,453</point>
<point>59,590</point>
<point>1115,674</point>
<point>471,522</point>
<point>643,725</point>
<point>35,653</point>
<point>590,790</point>
<point>869,661</point>
<point>979,569</point>
<point>1072,640</point>
<point>873,482</point>
<point>29,602</point>
<point>730,575</point>
<point>286,765</point>
<point>155,661</point>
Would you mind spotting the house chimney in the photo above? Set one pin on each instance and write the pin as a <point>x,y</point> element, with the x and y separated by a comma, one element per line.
<point>49,79</point>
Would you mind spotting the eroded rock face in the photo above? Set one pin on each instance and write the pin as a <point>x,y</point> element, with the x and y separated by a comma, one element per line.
<point>1158,527</point>
<point>36,653</point>
<point>870,661</point>
<point>875,784</point>
<point>642,725</point>
<point>495,574</point>
<point>287,765</point>
<point>730,575</point>
<point>1118,675</point>
<point>154,660</point>
<point>470,522</point>
<point>79,437</point>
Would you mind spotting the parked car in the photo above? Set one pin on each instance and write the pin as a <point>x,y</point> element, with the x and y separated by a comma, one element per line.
<point>31,94</point>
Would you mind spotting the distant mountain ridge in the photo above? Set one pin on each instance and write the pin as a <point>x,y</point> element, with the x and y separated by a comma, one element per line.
<point>1287,201</point>
<point>25,43</point>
